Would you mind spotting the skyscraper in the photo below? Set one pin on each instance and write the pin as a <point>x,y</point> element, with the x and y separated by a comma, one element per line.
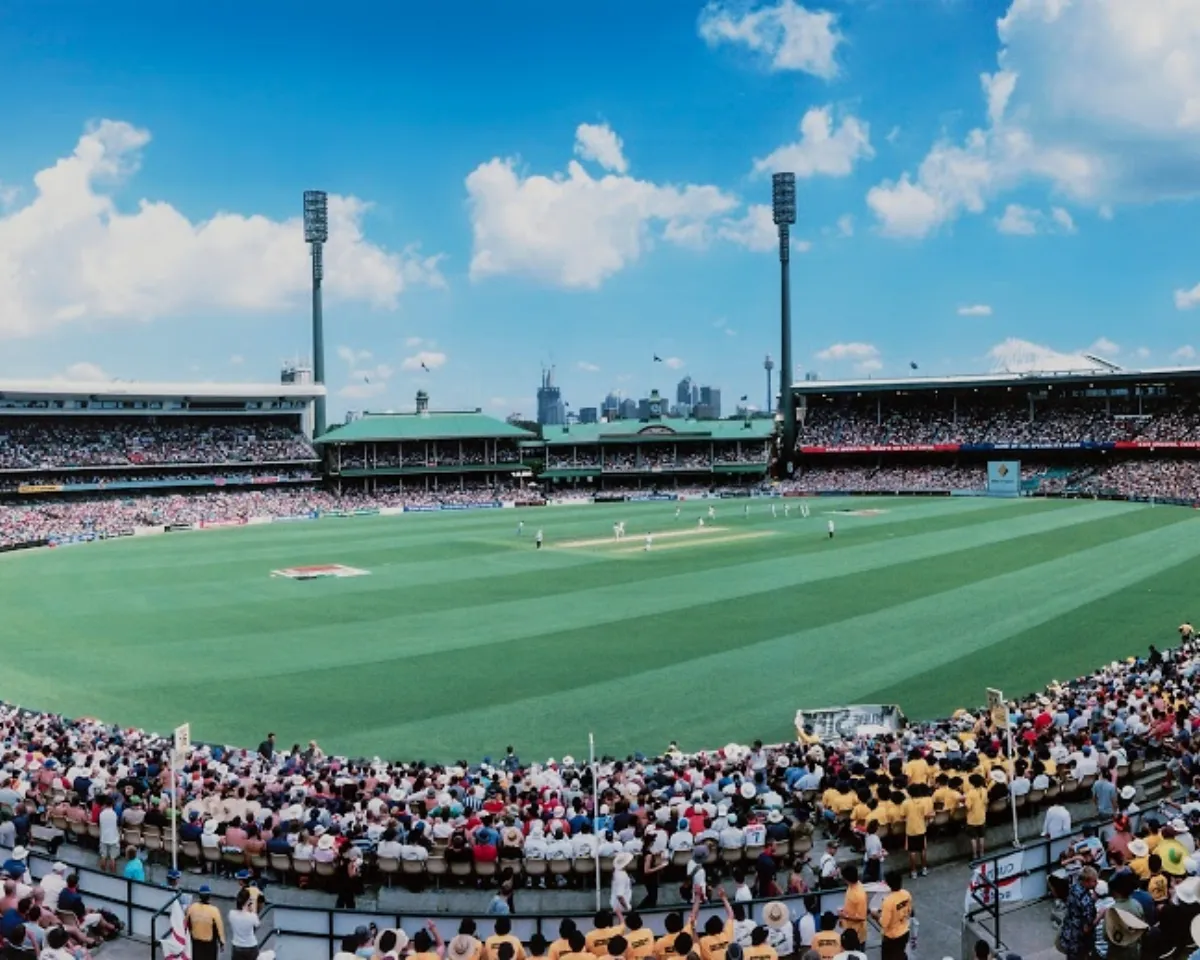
<point>551,410</point>
<point>588,415</point>
<point>610,409</point>
<point>709,407</point>
<point>629,409</point>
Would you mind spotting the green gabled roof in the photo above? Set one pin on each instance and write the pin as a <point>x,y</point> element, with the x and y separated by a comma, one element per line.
<point>392,427</point>
<point>658,431</point>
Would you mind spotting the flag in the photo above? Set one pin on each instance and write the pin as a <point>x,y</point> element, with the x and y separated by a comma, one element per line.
<point>657,358</point>
<point>366,379</point>
<point>745,397</point>
<point>423,367</point>
<point>913,364</point>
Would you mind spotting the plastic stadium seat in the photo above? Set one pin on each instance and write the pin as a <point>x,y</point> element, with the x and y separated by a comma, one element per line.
<point>559,868</point>
<point>131,836</point>
<point>190,849</point>
<point>731,855</point>
<point>281,863</point>
<point>680,858</point>
<point>302,868</point>
<point>485,869</point>
<point>585,868</point>
<point>536,868</point>
<point>390,866</point>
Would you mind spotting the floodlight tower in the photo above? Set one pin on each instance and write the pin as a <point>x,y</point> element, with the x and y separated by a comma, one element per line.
<point>769,365</point>
<point>783,210</point>
<point>316,232</point>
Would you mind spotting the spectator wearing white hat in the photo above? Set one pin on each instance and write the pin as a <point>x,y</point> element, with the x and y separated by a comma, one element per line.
<point>52,885</point>
<point>621,899</point>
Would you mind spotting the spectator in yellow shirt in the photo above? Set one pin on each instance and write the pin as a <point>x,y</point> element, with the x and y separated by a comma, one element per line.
<point>640,939</point>
<point>563,943</point>
<point>918,811</point>
<point>667,946</point>
<point>503,934</point>
<point>894,916</point>
<point>976,801</point>
<point>578,947</point>
<point>759,949</point>
<point>853,914</point>
<point>597,939</point>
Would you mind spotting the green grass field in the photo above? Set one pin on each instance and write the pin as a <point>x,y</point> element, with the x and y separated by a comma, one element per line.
<point>463,638</point>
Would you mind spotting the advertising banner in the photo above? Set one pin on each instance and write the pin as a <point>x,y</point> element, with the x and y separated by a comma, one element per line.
<point>529,503</point>
<point>996,880</point>
<point>213,524</point>
<point>1004,478</point>
<point>40,488</point>
<point>312,515</point>
<point>486,505</point>
<point>177,527</point>
<point>887,448</point>
<point>648,497</point>
<point>603,497</point>
<point>430,508</point>
<point>366,512</point>
<point>838,723</point>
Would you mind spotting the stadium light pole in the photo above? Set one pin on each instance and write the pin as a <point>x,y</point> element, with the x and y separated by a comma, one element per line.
<point>783,211</point>
<point>769,365</point>
<point>316,232</point>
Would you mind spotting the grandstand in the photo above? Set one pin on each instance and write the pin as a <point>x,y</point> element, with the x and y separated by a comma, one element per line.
<point>434,456</point>
<point>1112,433</point>
<point>83,460</point>
<point>658,453</point>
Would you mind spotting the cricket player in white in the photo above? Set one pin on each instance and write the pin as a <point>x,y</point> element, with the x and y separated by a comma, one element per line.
<point>649,540</point>
<point>787,509</point>
<point>831,528</point>
<point>746,510</point>
<point>773,513</point>
<point>520,527</point>
<point>712,513</point>
<point>804,509</point>
<point>538,538</point>
<point>677,513</point>
<point>701,522</point>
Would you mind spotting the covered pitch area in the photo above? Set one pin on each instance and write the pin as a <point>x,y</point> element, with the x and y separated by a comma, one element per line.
<point>452,636</point>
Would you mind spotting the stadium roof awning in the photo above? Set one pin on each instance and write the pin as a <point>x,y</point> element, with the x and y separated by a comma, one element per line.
<point>397,427</point>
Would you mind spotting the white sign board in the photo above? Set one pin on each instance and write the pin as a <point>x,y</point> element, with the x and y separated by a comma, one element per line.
<point>997,708</point>
<point>183,740</point>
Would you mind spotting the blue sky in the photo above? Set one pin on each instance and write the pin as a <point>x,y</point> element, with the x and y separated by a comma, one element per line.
<point>981,185</point>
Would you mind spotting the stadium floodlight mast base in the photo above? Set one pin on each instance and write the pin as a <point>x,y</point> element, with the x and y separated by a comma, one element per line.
<point>316,232</point>
<point>783,212</point>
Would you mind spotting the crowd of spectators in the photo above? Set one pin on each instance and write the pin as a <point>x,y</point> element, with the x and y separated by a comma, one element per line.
<point>768,804</point>
<point>433,453</point>
<point>49,444</point>
<point>850,426</point>
<point>114,514</point>
<point>10,482</point>
<point>890,479</point>
<point>1167,478</point>
<point>660,457</point>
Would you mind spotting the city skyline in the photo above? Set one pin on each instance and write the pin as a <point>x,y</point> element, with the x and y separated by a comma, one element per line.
<point>1017,201</point>
<point>691,400</point>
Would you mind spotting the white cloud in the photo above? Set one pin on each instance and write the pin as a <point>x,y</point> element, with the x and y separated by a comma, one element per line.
<point>975,310</point>
<point>1186,299</point>
<point>788,35</point>
<point>1018,221</point>
<point>755,231</point>
<point>1099,100</point>
<point>70,254</point>
<point>430,358</point>
<point>1142,353</point>
<point>1019,356</point>
<point>1104,347</point>
<point>413,341</point>
<point>597,141</point>
<point>1062,219</point>
<point>861,352</point>
<point>587,367</point>
<point>821,149</point>
<point>237,360</point>
<point>84,372</point>
<point>352,356</point>
<point>893,135</point>
<point>1186,352</point>
<point>868,366</point>
<point>574,230</point>
<point>845,225</point>
<point>1027,221</point>
<point>674,363</point>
